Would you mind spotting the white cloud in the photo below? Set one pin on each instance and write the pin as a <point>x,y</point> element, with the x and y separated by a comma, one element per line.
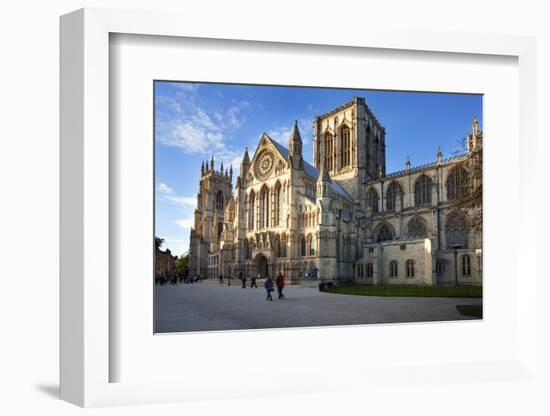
<point>185,223</point>
<point>170,103</point>
<point>184,206</point>
<point>282,133</point>
<point>196,130</point>
<point>168,193</point>
<point>177,246</point>
<point>186,86</point>
<point>165,189</point>
<point>182,201</point>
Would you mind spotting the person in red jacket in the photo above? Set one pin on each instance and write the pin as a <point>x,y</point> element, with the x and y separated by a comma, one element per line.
<point>280,285</point>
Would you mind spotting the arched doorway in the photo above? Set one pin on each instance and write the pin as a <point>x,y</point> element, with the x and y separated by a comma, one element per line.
<point>261,266</point>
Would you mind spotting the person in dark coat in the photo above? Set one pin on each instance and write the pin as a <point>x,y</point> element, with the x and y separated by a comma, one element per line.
<point>269,288</point>
<point>243,279</point>
<point>221,279</point>
<point>280,285</point>
<point>253,284</point>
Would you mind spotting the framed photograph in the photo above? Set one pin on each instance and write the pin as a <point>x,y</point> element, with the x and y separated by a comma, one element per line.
<point>321,210</point>
<point>331,204</point>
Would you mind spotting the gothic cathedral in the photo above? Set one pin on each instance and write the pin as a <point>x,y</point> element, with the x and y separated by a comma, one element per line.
<point>344,218</point>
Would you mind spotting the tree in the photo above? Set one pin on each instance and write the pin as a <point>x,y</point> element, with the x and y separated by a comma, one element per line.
<point>158,242</point>
<point>182,264</point>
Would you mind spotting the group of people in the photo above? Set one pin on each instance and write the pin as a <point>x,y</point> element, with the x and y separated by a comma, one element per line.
<point>269,285</point>
<point>177,278</point>
<point>252,281</point>
<point>280,286</point>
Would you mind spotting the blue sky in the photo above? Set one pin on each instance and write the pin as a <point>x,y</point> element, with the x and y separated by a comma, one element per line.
<point>195,121</point>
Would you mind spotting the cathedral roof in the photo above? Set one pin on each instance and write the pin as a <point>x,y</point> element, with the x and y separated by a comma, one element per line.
<point>313,172</point>
<point>425,166</point>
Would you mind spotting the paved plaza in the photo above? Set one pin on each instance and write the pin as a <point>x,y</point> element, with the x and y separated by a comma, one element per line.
<point>209,306</point>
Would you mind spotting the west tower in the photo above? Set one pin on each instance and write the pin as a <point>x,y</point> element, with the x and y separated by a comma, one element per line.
<point>215,192</point>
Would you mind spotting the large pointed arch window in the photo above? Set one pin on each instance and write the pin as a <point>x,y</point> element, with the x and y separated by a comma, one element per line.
<point>282,246</point>
<point>264,207</point>
<point>456,183</point>
<point>393,192</point>
<point>251,210</point>
<point>277,243</point>
<point>456,230</point>
<point>417,228</point>
<point>311,245</point>
<point>277,205</point>
<point>423,190</point>
<point>372,200</point>
<point>329,150</point>
<point>302,246</point>
<point>384,233</point>
<point>345,155</point>
<point>219,200</point>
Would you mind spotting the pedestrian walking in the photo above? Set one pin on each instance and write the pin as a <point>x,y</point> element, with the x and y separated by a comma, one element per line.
<point>253,284</point>
<point>243,280</point>
<point>269,288</point>
<point>221,279</point>
<point>280,285</point>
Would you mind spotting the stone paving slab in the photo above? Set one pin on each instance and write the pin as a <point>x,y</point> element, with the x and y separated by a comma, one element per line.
<point>210,307</point>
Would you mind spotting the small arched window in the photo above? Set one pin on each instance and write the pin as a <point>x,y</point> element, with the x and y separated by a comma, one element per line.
<point>439,268</point>
<point>423,190</point>
<point>369,270</point>
<point>466,265</point>
<point>456,183</point>
<point>372,200</point>
<point>410,268</point>
<point>393,268</point>
<point>393,192</point>
<point>302,247</point>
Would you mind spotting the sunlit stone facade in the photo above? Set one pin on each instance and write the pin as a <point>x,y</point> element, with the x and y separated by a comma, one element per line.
<point>344,218</point>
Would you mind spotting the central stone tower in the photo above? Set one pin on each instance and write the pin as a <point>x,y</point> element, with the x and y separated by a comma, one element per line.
<point>352,142</point>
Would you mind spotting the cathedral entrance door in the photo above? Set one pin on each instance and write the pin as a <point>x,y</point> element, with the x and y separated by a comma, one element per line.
<point>261,266</point>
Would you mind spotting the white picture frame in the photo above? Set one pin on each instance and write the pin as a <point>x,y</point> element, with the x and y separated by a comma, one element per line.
<point>86,293</point>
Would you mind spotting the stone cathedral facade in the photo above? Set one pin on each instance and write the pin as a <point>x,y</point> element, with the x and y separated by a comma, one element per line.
<point>344,218</point>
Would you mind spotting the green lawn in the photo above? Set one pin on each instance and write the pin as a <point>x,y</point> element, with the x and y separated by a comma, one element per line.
<point>408,290</point>
<point>475,311</point>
